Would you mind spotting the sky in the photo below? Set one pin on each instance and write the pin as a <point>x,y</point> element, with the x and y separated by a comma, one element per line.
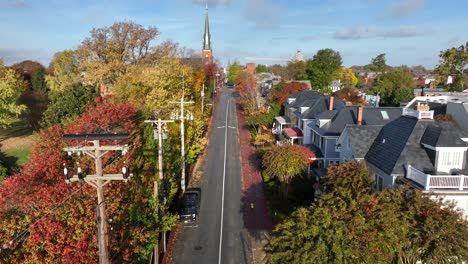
<point>409,32</point>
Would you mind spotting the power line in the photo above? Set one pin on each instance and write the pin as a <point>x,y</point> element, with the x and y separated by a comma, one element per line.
<point>24,232</point>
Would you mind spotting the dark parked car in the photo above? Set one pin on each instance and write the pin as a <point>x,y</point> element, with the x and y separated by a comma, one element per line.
<point>189,205</point>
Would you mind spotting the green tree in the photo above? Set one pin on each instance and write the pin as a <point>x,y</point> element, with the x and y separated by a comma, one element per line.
<point>379,63</point>
<point>286,162</point>
<point>361,81</point>
<point>65,71</point>
<point>324,68</point>
<point>395,87</point>
<point>453,62</point>
<point>68,104</point>
<point>261,68</point>
<point>233,71</point>
<point>296,70</point>
<point>11,88</point>
<point>352,224</point>
<point>38,80</point>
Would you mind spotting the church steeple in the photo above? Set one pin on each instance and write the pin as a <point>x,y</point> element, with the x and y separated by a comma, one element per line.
<point>207,54</point>
<point>207,35</point>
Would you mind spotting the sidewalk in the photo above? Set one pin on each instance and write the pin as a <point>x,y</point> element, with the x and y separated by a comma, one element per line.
<point>257,219</point>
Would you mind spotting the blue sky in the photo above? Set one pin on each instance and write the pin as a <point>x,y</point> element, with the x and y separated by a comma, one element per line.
<point>410,32</point>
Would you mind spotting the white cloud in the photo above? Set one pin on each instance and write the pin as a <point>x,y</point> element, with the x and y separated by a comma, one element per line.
<point>360,32</point>
<point>404,8</point>
<point>263,14</point>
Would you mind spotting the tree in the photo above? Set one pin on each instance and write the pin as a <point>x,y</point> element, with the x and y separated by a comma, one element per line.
<point>348,77</point>
<point>261,68</point>
<point>246,86</point>
<point>233,71</point>
<point>361,82</point>
<point>296,70</point>
<point>68,104</point>
<point>286,162</point>
<point>38,80</point>
<point>64,66</point>
<point>323,68</point>
<point>453,62</point>
<point>395,87</point>
<point>283,90</point>
<point>350,95</point>
<point>352,224</point>
<point>11,88</point>
<point>104,55</point>
<point>378,64</point>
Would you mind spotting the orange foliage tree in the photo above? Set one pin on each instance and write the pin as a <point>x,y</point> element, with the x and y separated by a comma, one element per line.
<point>280,95</point>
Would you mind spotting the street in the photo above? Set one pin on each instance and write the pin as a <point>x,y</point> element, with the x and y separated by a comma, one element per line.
<point>218,234</point>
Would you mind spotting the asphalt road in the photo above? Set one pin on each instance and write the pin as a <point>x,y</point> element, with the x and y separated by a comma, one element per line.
<point>217,236</point>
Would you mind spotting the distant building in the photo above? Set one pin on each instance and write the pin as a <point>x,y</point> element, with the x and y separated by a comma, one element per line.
<point>207,53</point>
<point>335,85</point>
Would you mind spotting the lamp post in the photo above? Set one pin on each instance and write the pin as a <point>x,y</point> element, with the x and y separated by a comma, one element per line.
<point>202,99</point>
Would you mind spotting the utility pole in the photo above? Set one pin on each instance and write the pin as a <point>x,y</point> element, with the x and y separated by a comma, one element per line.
<point>159,126</point>
<point>182,117</point>
<point>99,180</point>
<point>203,99</point>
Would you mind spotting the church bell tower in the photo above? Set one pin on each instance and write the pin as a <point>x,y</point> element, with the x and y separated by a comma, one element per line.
<point>207,53</point>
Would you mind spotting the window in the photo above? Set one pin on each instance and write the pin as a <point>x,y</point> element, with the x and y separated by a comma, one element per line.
<point>322,142</point>
<point>378,183</point>
<point>334,162</point>
<point>453,159</point>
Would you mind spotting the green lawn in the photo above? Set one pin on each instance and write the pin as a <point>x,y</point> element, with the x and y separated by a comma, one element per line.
<point>16,142</point>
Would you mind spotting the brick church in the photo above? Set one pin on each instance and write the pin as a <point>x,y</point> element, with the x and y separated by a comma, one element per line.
<point>207,53</point>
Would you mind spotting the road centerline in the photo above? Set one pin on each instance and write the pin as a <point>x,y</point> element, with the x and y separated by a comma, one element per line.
<point>224,179</point>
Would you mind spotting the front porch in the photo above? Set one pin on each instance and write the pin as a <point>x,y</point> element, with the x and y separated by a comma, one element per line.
<point>279,124</point>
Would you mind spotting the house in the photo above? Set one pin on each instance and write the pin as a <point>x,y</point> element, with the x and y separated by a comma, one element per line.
<point>425,154</point>
<point>356,140</point>
<point>329,125</point>
<point>298,109</point>
<point>335,85</point>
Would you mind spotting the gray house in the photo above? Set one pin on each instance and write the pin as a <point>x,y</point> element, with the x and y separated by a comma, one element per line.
<point>425,154</point>
<point>329,125</point>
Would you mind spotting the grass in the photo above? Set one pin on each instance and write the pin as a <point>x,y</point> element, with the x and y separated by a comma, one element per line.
<point>15,144</point>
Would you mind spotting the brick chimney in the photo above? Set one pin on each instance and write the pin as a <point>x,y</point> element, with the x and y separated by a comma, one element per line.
<point>330,104</point>
<point>359,116</point>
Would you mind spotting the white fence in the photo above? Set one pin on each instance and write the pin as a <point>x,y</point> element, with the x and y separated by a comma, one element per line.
<point>429,181</point>
<point>418,114</point>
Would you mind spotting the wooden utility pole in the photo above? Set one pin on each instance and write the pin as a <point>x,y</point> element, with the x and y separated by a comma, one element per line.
<point>182,117</point>
<point>203,99</point>
<point>99,180</point>
<point>159,124</point>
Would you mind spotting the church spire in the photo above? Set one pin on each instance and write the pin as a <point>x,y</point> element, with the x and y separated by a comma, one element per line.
<point>207,35</point>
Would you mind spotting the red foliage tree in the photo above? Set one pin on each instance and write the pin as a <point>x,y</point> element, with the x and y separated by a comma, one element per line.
<point>45,220</point>
<point>284,90</point>
<point>210,72</point>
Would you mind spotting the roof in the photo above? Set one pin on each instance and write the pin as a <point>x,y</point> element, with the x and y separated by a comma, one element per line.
<point>389,144</point>
<point>283,120</point>
<point>293,132</point>
<point>306,98</point>
<point>399,144</point>
<point>438,107</point>
<point>361,138</point>
<point>444,134</point>
<point>348,116</point>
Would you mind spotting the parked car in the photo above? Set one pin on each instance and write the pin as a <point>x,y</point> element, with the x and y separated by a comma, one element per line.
<point>189,205</point>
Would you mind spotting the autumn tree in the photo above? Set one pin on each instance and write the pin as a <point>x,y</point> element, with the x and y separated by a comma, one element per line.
<point>65,71</point>
<point>324,68</point>
<point>286,162</point>
<point>395,87</point>
<point>350,95</point>
<point>11,88</point>
<point>348,78</point>
<point>104,55</point>
<point>283,90</point>
<point>453,62</point>
<point>247,88</point>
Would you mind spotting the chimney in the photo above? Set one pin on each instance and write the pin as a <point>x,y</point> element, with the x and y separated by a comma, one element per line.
<point>330,103</point>
<point>359,116</point>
